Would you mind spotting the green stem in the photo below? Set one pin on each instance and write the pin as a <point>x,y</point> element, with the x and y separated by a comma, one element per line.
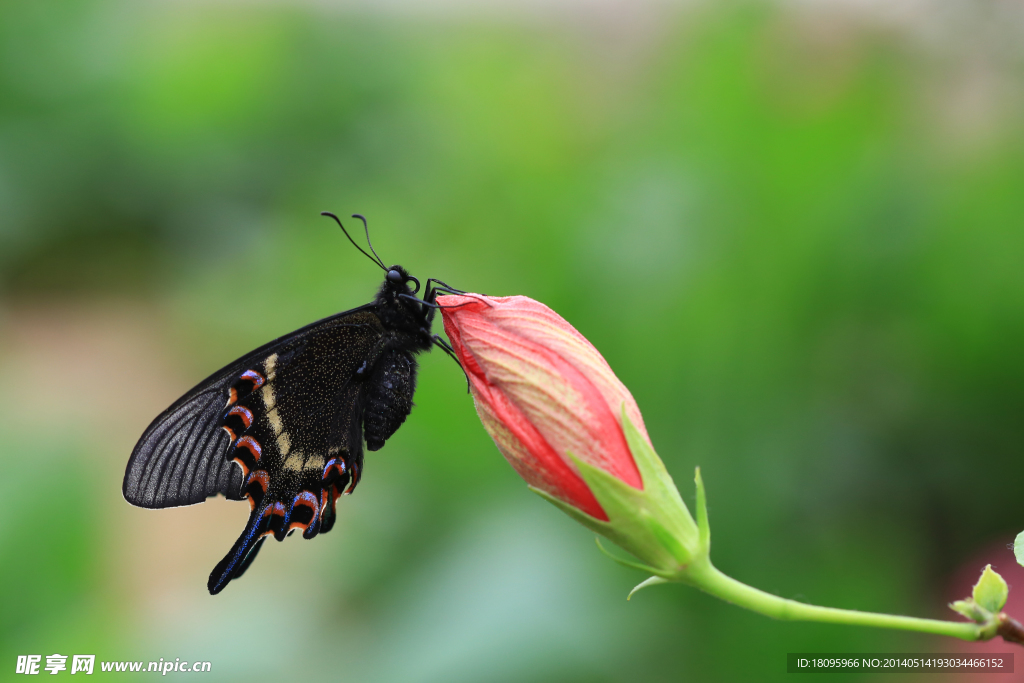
<point>702,574</point>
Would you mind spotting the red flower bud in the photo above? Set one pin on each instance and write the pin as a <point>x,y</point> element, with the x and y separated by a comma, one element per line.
<point>543,391</point>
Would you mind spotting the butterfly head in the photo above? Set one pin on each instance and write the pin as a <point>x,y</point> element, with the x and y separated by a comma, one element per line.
<point>397,281</point>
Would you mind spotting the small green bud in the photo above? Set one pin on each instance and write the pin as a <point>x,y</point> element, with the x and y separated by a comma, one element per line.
<point>1018,548</point>
<point>991,590</point>
<point>970,609</point>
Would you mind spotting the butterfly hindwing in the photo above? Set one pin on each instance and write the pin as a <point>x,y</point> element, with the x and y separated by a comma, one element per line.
<point>179,460</point>
<point>296,424</point>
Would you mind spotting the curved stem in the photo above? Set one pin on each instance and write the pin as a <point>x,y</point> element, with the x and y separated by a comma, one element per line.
<point>1010,629</point>
<point>703,575</point>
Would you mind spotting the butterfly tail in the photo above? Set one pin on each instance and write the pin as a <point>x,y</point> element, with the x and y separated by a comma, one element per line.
<point>242,553</point>
<point>249,558</point>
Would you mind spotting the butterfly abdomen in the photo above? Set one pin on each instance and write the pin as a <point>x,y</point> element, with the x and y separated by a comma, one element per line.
<point>388,397</point>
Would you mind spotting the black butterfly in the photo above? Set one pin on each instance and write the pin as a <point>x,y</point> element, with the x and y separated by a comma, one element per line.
<point>284,425</point>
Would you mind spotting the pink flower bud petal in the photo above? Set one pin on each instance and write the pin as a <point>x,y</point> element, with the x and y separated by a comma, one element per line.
<point>531,456</point>
<point>533,320</point>
<point>543,391</point>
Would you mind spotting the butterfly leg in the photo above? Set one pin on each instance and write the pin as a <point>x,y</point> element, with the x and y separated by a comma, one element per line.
<point>429,295</point>
<point>445,287</point>
<point>427,306</point>
<point>446,347</point>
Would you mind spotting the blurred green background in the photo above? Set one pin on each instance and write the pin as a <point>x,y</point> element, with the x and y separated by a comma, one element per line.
<point>794,230</point>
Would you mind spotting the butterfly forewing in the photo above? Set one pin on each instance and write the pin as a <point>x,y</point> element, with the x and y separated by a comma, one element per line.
<point>180,458</point>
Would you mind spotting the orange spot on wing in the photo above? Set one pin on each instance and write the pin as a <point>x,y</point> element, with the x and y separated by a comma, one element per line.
<point>260,477</point>
<point>252,445</point>
<point>309,500</point>
<point>244,413</point>
<point>335,465</point>
<point>256,378</point>
<point>275,509</point>
<point>245,470</point>
<point>355,480</point>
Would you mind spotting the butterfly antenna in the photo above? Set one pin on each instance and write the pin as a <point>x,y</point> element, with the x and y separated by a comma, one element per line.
<point>338,221</point>
<point>367,229</point>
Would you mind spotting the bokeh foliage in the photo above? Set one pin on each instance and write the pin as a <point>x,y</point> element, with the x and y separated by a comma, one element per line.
<point>795,234</point>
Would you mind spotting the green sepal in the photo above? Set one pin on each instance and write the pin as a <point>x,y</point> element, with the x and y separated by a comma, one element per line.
<point>651,523</point>
<point>604,528</point>
<point>703,528</point>
<point>630,512</point>
<point>656,479</point>
<point>624,563</point>
<point>991,591</point>
<point>653,581</point>
<point>667,540</point>
<point>581,517</point>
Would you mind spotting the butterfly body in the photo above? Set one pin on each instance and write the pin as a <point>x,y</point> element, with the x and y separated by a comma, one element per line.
<point>284,425</point>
